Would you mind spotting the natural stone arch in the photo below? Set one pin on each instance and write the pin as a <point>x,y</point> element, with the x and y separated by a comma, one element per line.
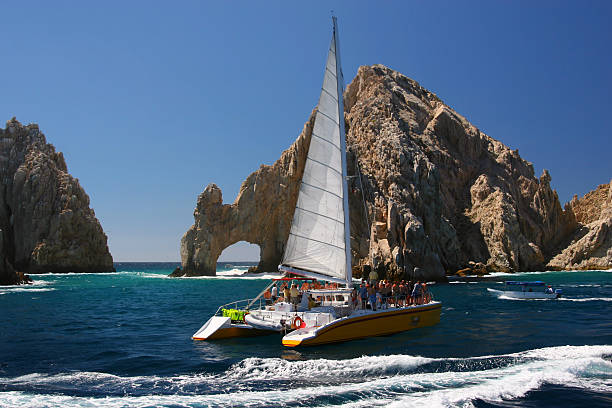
<point>261,214</point>
<point>240,252</point>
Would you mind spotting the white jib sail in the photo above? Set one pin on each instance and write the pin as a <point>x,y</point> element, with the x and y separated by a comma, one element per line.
<point>317,240</point>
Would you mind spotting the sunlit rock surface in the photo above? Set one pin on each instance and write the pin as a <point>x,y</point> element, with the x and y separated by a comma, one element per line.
<point>46,224</point>
<point>440,195</point>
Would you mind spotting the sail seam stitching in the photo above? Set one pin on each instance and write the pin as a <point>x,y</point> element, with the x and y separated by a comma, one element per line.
<point>316,240</point>
<point>321,215</point>
<point>322,189</point>
<point>322,138</point>
<point>328,117</point>
<point>325,165</point>
<point>330,94</point>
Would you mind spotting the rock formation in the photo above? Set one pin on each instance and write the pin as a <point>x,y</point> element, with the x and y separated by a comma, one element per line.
<point>46,224</point>
<point>590,246</point>
<point>261,214</point>
<point>440,195</point>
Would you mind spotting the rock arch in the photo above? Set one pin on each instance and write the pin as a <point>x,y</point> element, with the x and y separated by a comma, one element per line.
<point>261,214</point>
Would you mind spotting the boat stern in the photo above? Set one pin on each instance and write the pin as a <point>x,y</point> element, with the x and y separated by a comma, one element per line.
<point>212,326</point>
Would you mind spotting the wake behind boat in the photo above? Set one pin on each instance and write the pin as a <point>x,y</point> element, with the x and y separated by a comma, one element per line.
<point>319,249</point>
<point>528,290</point>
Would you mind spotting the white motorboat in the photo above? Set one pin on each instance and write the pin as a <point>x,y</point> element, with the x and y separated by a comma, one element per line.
<point>528,290</point>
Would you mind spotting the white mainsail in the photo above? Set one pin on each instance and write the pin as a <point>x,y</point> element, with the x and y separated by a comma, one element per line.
<point>319,240</point>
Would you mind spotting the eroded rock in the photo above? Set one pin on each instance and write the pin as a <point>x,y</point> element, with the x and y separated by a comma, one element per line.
<point>45,218</point>
<point>438,193</point>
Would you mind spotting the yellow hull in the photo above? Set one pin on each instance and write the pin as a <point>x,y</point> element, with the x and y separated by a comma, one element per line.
<point>370,325</point>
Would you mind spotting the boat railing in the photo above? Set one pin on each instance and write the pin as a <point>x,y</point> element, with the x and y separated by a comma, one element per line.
<point>406,300</point>
<point>243,304</point>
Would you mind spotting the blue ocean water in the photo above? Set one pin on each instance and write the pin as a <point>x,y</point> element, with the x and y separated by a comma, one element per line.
<point>124,340</point>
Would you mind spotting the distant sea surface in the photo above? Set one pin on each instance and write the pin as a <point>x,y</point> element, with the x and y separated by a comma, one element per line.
<point>124,340</point>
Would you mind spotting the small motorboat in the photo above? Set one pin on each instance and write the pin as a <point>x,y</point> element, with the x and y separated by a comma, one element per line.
<point>528,290</point>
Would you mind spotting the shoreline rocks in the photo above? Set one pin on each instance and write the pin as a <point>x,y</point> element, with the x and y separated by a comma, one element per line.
<point>46,224</point>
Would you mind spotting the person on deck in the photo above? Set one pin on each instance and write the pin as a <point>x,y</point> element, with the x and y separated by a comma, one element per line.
<point>295,294</point>
<point>387,294</point>
<point>274,293</point>
<point>403,293</point>
<point>363,294</point>
<point>373,277</point>
<point>395,292</point>
<point>379,300</point>
<point>426,294</point>
<point>354,299</point>
<point>268,297</point>
<point>311,302</point>
<point>286,293</point>
<point>417,294</point>
<point>372,296</point>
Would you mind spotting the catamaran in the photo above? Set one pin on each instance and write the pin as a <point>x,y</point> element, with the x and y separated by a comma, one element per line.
<point>318,249</point>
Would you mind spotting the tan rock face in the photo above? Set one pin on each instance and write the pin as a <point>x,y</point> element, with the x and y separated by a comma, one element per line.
<point>46,222</point>
<point>591,244</point>
<point>460,195</point>
<point>438,193</point>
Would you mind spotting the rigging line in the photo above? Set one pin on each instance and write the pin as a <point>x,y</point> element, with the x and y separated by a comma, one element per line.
<point>325,165</point>
<point>365,208</point>
<point>325,140</point>
<point>328,117</point>
<point>322,189</point>
<point>316,240</point>
<point>320,215</point>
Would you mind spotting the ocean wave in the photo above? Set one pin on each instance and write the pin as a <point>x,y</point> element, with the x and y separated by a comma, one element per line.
<point>78,273</point>
<point>595,299</point>
<point>395,380</point>
<point>366,366</point>
<point>17,289</point>
<point>244,276</point>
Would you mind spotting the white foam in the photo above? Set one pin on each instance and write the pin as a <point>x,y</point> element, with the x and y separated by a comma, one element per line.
<point>233,272</point>
<point>279,369</point>
<point>363,381</point>
<point>244,276</point>
<point>17,289</point>
<point>597,299</point>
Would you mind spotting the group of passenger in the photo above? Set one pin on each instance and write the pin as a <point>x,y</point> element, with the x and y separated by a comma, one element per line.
<point>373,295</point>
<point>291,292</point>
<point>382,294</point>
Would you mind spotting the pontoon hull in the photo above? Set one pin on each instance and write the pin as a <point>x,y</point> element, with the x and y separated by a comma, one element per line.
<point>524,295</point>
<point>222,328</point>
<point>369,325</point>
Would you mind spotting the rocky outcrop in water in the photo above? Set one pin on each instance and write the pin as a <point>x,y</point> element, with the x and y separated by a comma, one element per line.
<point>440,195</point>
<point>45,221</point>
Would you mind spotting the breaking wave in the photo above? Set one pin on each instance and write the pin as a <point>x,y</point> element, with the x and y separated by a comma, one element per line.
<point>594,299</point>
<point>23,288</point>
<point>394,380</point>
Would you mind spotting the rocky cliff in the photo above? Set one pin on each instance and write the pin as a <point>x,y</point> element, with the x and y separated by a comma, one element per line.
<point>439,194</point>
<point>45,221</point>
<point>590,246</point>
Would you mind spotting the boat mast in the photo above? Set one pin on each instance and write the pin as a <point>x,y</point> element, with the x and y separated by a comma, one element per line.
<point>347,226</point>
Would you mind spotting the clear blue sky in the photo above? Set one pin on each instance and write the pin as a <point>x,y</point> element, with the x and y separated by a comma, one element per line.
<point>151,101</point>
